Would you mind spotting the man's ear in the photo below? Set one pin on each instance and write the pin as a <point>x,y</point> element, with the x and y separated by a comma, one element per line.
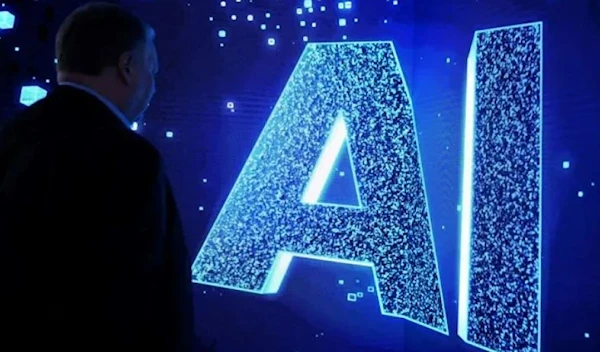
<point>124,67</point>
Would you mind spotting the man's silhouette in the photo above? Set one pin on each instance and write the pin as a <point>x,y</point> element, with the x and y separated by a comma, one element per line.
<point>92,254</point>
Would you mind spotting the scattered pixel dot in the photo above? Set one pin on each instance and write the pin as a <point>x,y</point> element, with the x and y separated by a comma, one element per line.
<point>31,94</point>
<point>7,20</point>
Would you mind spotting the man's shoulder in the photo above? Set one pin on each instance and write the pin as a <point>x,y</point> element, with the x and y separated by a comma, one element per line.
<point>137,146</point>
<point>69,132</point>
<point>116,145</point>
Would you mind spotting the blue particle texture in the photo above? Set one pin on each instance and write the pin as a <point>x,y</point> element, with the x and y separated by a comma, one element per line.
<point>264,216</point>
<point>505,272</point>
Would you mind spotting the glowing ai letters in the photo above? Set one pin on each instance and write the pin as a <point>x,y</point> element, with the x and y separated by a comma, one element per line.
<point>501,234</point>
<point>352,97</point>
<point>339,93</point>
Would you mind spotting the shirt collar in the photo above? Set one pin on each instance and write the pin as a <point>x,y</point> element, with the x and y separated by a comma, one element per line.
<point>105,101</point>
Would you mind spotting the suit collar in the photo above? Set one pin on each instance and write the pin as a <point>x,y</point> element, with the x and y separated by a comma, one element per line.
<point>102,99</point>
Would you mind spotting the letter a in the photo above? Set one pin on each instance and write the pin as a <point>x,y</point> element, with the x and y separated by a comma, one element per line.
<point>272,213</point>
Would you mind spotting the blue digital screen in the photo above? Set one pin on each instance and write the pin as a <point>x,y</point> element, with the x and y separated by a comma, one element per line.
<point>381,175</point>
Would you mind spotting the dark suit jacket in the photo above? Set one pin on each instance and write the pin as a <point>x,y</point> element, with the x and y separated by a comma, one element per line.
<point>92,255</point>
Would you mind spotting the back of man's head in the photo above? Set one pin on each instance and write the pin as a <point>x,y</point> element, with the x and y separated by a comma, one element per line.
<point>110,51</point>
<point>95,35</point>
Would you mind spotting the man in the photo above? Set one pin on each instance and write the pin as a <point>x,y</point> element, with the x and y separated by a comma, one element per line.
<point>92,254</point>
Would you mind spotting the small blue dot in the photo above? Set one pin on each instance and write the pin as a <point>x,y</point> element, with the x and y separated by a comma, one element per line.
<point>566,164</point>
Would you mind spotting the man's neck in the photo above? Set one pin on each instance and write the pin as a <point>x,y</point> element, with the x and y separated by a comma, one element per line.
<point>98,84</point>
<point>94,87</point>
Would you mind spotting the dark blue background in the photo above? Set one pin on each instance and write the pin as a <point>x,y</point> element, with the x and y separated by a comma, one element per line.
<point>198,78</point>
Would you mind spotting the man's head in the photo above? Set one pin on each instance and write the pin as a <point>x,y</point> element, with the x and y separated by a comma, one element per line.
<point>111,51</point>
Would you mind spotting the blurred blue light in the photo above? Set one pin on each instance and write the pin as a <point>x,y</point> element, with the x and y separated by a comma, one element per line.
<point>7,20</point>
<point>31,94</point>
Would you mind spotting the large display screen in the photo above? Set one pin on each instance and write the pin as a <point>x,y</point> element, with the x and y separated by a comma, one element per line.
<point>373,175</point>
